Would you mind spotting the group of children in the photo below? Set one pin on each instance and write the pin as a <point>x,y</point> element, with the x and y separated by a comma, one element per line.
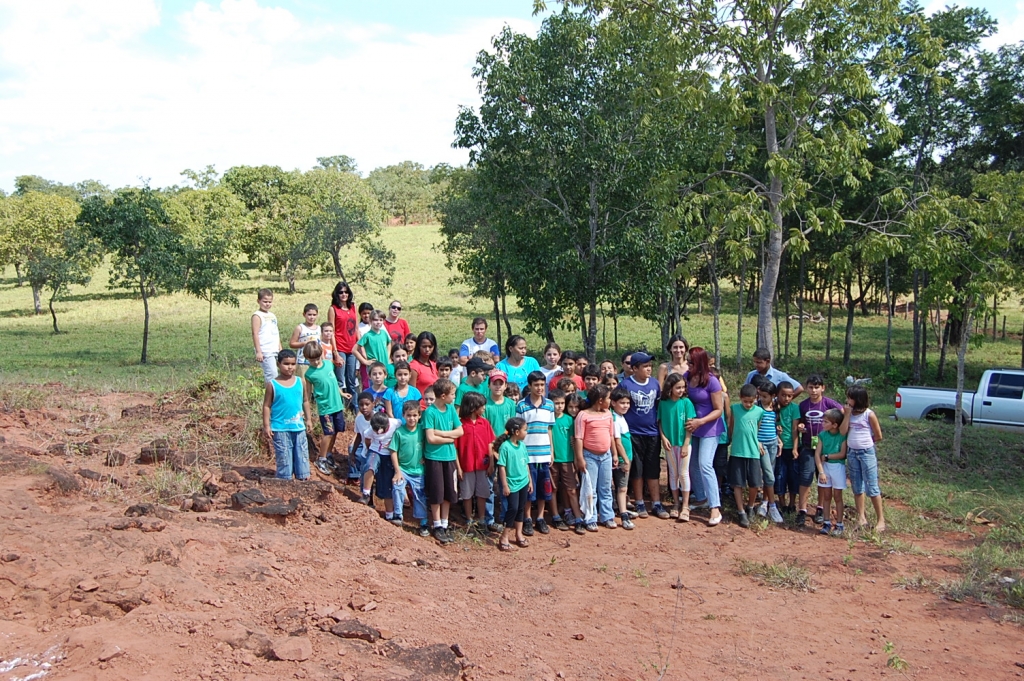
<point>561,454</point>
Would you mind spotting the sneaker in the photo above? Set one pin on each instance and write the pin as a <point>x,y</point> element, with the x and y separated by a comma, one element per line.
<point>366,500</point>
<point>791,509</point>
<point>611,525</point>
<point>542,526</point>
<point>762,509</point>
<point>580,529</point>
<point>749,510</point>
<point>801,519</point>
<point>660,511</point>
<point>627,524</point>
<point>528,528</point>
<point>744,520</point>
<point>592,527</point>
<point>323,467</point>
<point>641,510</point>
<point>397,522</point>
<point>440,535</point>
<point>568,517</point>
<point>632,515</point>
<point>561,525</point>
<point>495,527</point>
<point>774,515</point>
<point>825,528</point>
<point>838,530</point>
<point>819,515</point>
<point>424,531</point>
<point>331,462</point>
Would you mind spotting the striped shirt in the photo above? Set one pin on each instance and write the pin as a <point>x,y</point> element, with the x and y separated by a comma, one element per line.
<point>539,421</point>
<point>766,432</point>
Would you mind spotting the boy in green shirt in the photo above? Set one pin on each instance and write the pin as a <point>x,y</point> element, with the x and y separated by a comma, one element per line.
<point>407,457</point>
<point>442,427</point>
<point>498,410</point>
<point>476,372</point>
<point>329,404</point>
<point>745,461</point>
<point>563,465</point>
<point>787,479</point>
<point>375,344</point>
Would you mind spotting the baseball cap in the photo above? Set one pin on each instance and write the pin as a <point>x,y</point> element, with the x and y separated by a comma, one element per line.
<point>639,358</point>
<point>499,375</point>
<point>477,364</point>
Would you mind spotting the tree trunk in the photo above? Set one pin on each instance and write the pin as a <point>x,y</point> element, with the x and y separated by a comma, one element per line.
<point>18,275</point>
<point>995,316</point>
<point>788,297</point>
<point>800,308</point>
<point>943,345</point>
<point>209,333</point>
<point>504,315</point>
<point>888,310</point>
<point>336,257</point>
<point>591,345</point>
<point>144,289</point>
<point>53,313</point>
<point>961,357</point>
<point>828,332</point>
<point>915,376</point>
<point>716,307</point>
<point>739,318</point>
<point>851,307</point>
<point>770,272</point>
<point>615,329</point>
<point>497,320</point>
<point>37,303</point>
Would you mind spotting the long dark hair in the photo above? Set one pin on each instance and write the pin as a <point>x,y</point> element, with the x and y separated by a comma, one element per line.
<point>670,382</point>
<point>672,341</point>
<point>700,367</point>
<point>511,426</point>
<point>425,335</point>
<point>336,296</point>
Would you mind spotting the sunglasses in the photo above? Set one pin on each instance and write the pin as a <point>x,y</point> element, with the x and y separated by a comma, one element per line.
<point>396,307</point>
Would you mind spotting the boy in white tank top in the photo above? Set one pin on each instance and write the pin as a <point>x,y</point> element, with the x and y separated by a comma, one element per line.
<point>266,338</point>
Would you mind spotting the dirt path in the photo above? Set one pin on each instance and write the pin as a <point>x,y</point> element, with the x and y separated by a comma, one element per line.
<point>208,595</point>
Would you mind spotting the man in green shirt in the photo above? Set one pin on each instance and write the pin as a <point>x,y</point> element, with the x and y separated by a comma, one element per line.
<point>745,461</point>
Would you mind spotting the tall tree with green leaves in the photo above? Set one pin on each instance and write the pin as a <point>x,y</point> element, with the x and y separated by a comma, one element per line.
<point>340,163</point>
<point>147,251</point>
<point>210,223</point>
<point>403,190</point>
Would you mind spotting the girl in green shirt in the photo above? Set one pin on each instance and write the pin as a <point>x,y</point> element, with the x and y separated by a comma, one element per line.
<point>514,474</point>
<point>674,410</point>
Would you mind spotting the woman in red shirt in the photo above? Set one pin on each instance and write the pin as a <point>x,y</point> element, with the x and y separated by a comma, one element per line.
<point>346,332</point>
<point>424,364</point>
<point>396,327</point>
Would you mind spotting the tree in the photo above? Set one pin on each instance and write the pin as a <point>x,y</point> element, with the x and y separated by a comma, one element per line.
<point>403,190</point>
<point>69,261</point>
<point>340,163</point>
<point>348,214</point>
<point>135,228</point>
<point>209,222</point>
<point>38,223</point>
<point>797,70</point>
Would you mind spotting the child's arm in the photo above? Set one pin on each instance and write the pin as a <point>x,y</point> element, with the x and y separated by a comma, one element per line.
<point>796,438</point>
<point>294,341</point>
<point>306,410</point>
<point>360,352</point>
<point>844,427</point>
<point>397,479</point>
<point>876,427</point>
<point>577,448</point>
<point>268,402</point>
<point>819,464</point>
<point>665,444</point>
<point>256,324</point>
<point>388,409</point>
<point>504,481</point>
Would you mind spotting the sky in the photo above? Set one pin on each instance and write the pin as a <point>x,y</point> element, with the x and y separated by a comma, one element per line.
<point>134,91</point>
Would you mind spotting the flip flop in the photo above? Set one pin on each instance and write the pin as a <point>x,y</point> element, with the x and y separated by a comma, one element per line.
<point>522,543</point>
<point>505,547</point>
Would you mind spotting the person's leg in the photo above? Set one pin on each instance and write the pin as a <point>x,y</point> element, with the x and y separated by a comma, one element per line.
<point>369,472</point>
<point>699,488</point>
<point>768,472</point>
<point>351,368</point>
<point>636,481</point>
<point>593,464</point>
<point>837,498</point>
<point>398,497</point>
<point>300,460</point>
<point>672,463</point>
<point>520,514</point>
<point>686,480</point>
<point>269,366</point>
<point>383,485</point>
<point>604,489</point>
<point>511,512</point>
<point>282,455</point>
<point>870,467</point>
<point>855,467</point>
<point>707,450</point>
<point>825,498</point>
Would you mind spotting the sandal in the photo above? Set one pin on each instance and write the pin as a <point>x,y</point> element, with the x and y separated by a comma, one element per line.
<point>504,546</point>
<point>674,513</point>
<point>684,515</point>
<point>522,543</point>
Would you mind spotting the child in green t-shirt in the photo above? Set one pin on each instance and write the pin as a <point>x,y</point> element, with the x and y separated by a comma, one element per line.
<point>442,427</point>
<point>327,395</point>
<point>407,457</point>
<point>830,459</point>
<point>745,461</point>
<point>787,477</point>
<point>563,466</point>
<point>674,410</point>
<point>516,484</point>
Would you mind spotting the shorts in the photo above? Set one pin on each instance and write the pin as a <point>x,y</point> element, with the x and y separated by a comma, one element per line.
<point>356,460</point>
<point>646,463</point>
<point>440,478</point>
<point>863,464</point>
<point>835,476</point>
<point>771,450</point>
<point>331,424</point>
<point>474,485</point>
<point>540,473</point>
<point>620,479</point>
<point>786,477</point>
<point>744,472</point>
<point>383,484</point>
<point>721,462</point>
<point>805,467</point>
<point>563,476</point>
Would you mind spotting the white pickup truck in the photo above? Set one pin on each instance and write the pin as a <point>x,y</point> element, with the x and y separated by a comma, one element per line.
<point>999,401</point>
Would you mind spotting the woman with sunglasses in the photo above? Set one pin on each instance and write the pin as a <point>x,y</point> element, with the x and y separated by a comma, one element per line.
<point>343,317</point>
<point>396,327</point>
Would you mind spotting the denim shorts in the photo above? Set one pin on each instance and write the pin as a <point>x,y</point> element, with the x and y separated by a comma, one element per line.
<point>291,453</point>
<point>332,424</point>
<point>805,468</point>
<point>540,473</point>
<point>862,464</point>
<point>771,450</point>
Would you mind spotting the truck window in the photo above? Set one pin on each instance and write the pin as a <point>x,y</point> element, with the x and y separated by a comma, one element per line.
<point>1006,386</point>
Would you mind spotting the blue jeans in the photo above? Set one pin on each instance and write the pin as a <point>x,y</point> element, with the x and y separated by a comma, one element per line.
<point>705,480</point>
<point>600,468</point>
<point>495,502</point>
<point>698,486</point>
<point>419,499</point>
<point>863,467</point>
<point>356,462</point>
<point>346,374</point>
<point>269,366</point>
<point>292,454</point>
<point>771,450</point>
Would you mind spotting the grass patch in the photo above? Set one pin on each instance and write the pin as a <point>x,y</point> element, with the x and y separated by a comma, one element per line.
<point>171,486</point>
<point>784,574</point>
<point>915,582</point>
<point>991,574</point>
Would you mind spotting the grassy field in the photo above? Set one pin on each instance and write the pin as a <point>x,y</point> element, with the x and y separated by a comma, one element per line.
<point>101,347</point>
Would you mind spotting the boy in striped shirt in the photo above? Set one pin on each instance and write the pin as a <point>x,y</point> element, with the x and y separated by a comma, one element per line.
<point>539,414</point>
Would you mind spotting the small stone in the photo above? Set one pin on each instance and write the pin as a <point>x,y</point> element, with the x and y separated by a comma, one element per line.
<point>372,605</point>
<point>186,504</point>
<point>75,613</point>
<point>294,648</point>
<point>201,503</point>
<point>578,637</point>
<point>88,585</point>
<point>109,652</point>
<point>116,457</point>
<point>386,634</point>
<point>231,477</point>
<point>886,615</point>
<point>355,629</point>
<point>9,557</point>
<point>358,602</point>
<point>457,649</point>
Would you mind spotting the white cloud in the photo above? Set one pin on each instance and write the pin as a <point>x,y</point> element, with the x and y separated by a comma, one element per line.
<point>1011,27</point>
<point>116,91</point>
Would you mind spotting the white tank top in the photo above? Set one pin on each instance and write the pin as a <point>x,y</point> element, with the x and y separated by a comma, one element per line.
<point>859,435</point>
<point>270,338</point>
<point>306,334</point>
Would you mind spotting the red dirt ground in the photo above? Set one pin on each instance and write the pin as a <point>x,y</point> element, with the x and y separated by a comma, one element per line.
<point>203,595</point>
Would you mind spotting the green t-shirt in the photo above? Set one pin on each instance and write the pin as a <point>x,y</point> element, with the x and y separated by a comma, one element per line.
<point>440,420</point>
<point>622,432</point>
<point>744,431</point>
<point>408,444</point>
<point>390,380</point>
<point>516,463</point>
<point>465,387</point>
<point>376,344</point>
<point>788,414</point>
<point>673,415</point>
<point>561,439</point>
<point>831,443</point>
<point>325,389</point>
<point>499,414</point>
